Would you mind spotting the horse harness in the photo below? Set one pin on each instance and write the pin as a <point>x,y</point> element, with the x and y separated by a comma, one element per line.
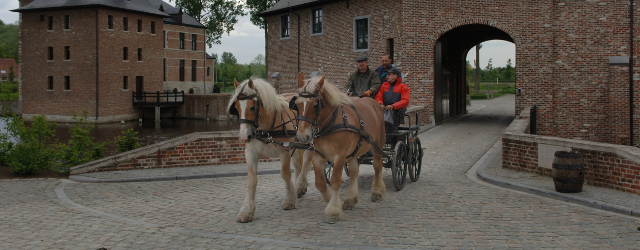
<point>320,131</point>
<point>266,136</point>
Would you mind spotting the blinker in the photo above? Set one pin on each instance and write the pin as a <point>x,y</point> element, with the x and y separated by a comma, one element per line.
<point>292,104</point>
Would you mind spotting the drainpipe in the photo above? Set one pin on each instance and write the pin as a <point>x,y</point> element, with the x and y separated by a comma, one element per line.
<point>298,39</point>
<point>97,96</point>
<point>631,72</point>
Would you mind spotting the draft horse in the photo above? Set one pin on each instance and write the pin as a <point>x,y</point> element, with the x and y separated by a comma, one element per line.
<point>266,122</point>
<point>339,129</point>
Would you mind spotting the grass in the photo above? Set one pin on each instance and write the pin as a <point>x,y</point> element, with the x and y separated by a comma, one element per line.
<point>500,89</point>
<point>12,96</point>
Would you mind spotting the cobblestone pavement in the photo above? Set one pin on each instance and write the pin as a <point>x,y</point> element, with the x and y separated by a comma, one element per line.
<point>443,209</point>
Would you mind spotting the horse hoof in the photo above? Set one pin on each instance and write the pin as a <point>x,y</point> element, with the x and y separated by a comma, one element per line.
<point>331,219</point>
<point>302,192</point>
<point>289,206</point>
<point>349,203</point>
<point>376,197</point>
<point>244,219</point>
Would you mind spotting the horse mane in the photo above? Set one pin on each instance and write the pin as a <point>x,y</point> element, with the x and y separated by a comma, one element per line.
<point>329,92</point>
<point>263,89</point>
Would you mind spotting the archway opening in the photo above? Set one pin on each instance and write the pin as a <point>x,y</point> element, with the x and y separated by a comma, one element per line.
<point>450,86</point>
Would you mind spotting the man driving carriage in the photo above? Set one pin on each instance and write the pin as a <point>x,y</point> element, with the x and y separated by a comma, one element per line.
<point>364,81</point>
<point>394,98</point>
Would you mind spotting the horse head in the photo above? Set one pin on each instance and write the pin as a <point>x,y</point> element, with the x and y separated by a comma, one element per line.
<point>309,104</point>
<point>246,106</point>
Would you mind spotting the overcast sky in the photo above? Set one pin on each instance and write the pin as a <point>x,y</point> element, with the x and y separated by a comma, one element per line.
<point>246,41</point>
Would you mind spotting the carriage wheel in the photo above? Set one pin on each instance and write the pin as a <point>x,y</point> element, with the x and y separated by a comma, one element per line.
<point>416,162</point>
<point>328,169</point>
<point>399,166</point>
<point>346,169</point>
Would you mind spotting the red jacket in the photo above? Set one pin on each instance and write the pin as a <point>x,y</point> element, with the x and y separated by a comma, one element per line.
<point>399,87</point>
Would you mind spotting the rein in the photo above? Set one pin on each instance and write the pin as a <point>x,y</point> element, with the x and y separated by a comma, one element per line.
<point>266,136</point>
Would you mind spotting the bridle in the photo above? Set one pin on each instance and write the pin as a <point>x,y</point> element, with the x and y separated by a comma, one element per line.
<point>256,105</point>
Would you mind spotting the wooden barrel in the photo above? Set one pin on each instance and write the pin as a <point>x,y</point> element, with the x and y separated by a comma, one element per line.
<point>568,173</point>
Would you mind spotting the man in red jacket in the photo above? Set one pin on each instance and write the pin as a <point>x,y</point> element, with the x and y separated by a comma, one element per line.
<point>394,96</point>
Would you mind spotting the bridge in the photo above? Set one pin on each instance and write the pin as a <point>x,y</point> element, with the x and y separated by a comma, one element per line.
<point>157,100</point>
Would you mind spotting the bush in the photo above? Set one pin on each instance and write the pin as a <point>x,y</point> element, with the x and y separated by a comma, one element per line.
<point>127,141</point>
<point>32,151</point>
<point>80,149</point>
<point>191,91</point>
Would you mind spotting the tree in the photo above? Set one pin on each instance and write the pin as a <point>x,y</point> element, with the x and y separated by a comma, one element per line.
<point>258,66</point>
<point>219,16</point>
<point>508,73</point>
<point>229,59</point>
<point>9,40</point>
<point>255,7</point>
<point>12,75</point>
<point>477,63</point>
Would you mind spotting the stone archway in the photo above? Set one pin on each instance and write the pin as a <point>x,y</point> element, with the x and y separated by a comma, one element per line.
<point>450,51</point>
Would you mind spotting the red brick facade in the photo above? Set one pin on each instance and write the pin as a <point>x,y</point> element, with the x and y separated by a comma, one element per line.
<point>173,54</point>
<point>562,54</point>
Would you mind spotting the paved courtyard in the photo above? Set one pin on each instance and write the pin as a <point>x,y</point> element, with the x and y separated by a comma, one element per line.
<point>443,209</point>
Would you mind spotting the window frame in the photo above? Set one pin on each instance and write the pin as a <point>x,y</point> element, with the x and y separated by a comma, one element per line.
<point>194,42</point>
<point>67,53</point>
<point>110,22</point>
<point>139,25</point>
<point>153,28</point>
<point>181,71</point>
<point>164,69</point>
<point>139,54</point>
<point>194,70</point>
<point>67,22</point>
<point>125,82</point>
<point>50,23</point>
<point>355,33</point>
<point>125,53</point>
<point>181,38</point>
<point>50,53</point>
<point>312,19</point>
<point>67,83</point>
<point>125,24</point>
<point>50,83</point>
<point>288,36</point>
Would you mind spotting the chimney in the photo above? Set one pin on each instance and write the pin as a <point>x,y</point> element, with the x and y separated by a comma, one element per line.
<point>180,15</point>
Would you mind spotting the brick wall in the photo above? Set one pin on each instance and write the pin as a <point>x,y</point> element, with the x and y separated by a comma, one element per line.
<point>173,54</point>
<point>195,107</point>
<point>197,149</point>
<point>562,52</point>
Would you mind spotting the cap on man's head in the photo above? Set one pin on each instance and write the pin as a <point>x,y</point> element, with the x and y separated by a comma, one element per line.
<point>394,71</point>
<point>362,58</point>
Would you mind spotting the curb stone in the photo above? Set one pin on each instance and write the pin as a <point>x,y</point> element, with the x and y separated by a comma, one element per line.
<point>86,179</point>
<point>482,175</point>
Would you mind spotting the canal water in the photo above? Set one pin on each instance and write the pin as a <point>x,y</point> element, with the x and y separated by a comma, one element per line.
<point>149,132</point>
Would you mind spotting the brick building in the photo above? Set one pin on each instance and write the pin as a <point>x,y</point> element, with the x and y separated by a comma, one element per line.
<point>6,67</point>
<point>572,56</point>
<point>92,55</point>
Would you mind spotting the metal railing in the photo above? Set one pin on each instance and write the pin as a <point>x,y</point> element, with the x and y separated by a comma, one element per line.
<point>157,99</point>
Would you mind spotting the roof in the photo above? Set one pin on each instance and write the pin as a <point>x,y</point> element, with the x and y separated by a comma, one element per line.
<point>5,64</point>
<point>174,13</point>
<point>141,6</point>
<point>287,5</point>
<point>209,56</point>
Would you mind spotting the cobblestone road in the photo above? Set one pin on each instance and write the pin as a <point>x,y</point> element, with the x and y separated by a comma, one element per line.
<point>444,209</point>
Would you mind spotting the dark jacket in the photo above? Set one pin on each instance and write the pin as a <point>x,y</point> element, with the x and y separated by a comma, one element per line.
<point>382,73</point>
<point>362,82</point>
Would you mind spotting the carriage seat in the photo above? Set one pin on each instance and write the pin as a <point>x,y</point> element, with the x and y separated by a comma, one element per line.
<point>410,127</point>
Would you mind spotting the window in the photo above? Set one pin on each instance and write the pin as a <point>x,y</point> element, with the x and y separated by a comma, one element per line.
<point>139,54</point>
<point>125,53</point>
<point>316,21</point>
<point>164,39</point>
<point>125,82</point>
<point>67,83</point>
<point>4,78</point>
<point>139,25</point>
<point>193,70</point>
<point>181,40</point>
<point>50,23</point>
<point>153,27</point>
<point>194,41</point>
<point>181,71</point>
<point>50,54</point>
<point>164,69</point>
<point>110,22</point>
<point>125,24</point>
<point>67,22</point>
<point>284,26</point>
<point>208,70</point>
<point>67,53</point>
<point>41,18</point>
<point>361,33</point>
<point>50,87</point>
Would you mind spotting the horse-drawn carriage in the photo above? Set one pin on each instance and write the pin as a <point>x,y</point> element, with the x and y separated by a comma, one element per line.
<point>403,152</point>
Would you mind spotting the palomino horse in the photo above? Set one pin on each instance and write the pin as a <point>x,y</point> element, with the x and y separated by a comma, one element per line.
<point>344,139</point>
<point>265,122</point>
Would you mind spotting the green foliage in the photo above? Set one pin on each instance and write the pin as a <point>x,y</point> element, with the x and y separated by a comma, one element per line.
<point>219,16</point>
<point>9,40</point>
<point>228,58</point>
<point>12,75</point>
<point>127,141</point>
<point>32,151</point>
<point>81,148</point>
<point>230,69</point>
<point>258,6</point>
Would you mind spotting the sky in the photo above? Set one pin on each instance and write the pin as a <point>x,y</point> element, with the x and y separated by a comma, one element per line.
<point>246,41</point>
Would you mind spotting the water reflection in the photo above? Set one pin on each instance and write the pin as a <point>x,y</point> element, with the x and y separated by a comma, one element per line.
<point>149,132</point>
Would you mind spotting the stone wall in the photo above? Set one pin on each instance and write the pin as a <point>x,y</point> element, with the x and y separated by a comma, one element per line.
<point>12,107</point>
<point>195,107</point>
<point>605,165</point>
<point>196,149</point>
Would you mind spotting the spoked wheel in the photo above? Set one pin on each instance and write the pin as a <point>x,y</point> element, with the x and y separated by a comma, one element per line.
<point>399,166</point>
<point>416,162</point>
<point>328,169</point>
<point>346,169</point>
